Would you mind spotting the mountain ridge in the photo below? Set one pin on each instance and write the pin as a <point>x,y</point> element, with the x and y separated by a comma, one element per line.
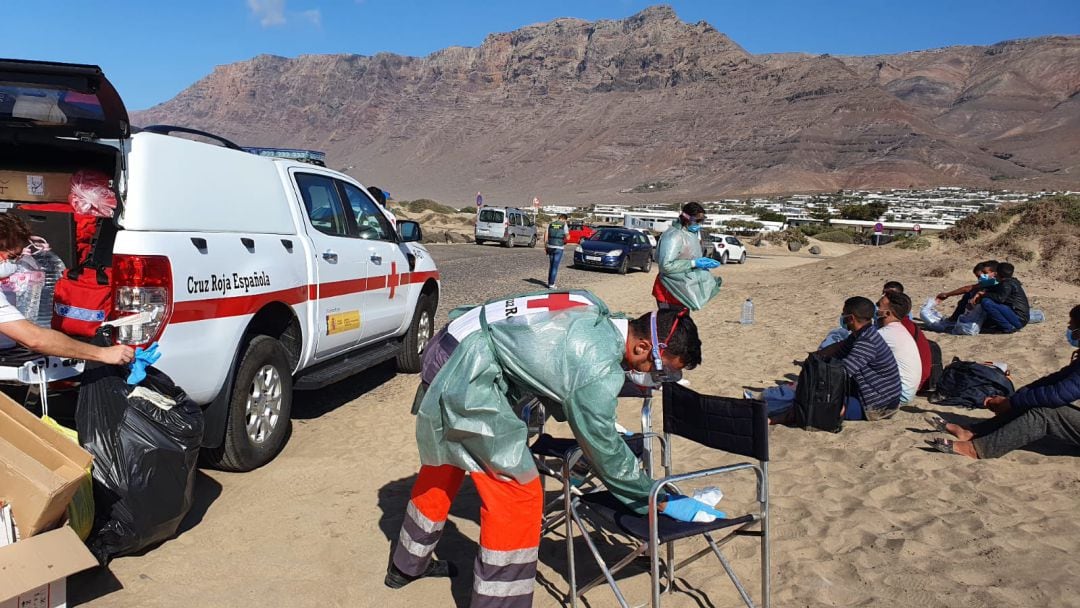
<point>580,111</point>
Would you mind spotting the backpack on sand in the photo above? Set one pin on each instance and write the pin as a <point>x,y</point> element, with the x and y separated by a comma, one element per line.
<point>820,395</point>
<point>968,384</point>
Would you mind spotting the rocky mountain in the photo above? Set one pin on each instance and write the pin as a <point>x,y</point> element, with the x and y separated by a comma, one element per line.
<point>652,108</point>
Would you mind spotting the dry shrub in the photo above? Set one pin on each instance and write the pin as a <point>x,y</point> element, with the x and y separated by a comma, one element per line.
<point>938,271</point>
<point>836,236</point>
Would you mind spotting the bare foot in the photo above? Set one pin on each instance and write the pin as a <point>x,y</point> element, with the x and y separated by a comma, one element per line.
<point>959,432</point>
<point>965,448</point>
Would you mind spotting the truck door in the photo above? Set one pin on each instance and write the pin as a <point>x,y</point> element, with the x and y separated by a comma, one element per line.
<point>384,304</point>
<point>341,263</point>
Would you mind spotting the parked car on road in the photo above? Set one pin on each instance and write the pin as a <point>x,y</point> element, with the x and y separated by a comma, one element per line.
<point>614,249</point>
<point>256,275</point>
<point>507,225</point>
<point>727,248</point>
<point>579,231</point>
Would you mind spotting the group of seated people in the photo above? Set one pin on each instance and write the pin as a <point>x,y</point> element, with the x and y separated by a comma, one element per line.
<point>888,360</point>
<point>1048,407</point>
<point>886,356</point>
<point>996,302</point>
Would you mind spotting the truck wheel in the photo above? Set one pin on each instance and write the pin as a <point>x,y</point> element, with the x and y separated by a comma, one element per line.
<point>624,267</point>
<point>259,409</point>
<point>510,241</point>
<point>532,242</point>
<point>420,331</point>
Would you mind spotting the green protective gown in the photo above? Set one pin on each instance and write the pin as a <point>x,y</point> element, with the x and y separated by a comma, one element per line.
<point>570,359</point>
<point>675,254</point>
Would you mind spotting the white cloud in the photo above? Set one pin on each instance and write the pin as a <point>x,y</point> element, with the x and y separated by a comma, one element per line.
<point>268,12</point>
<point>313,15</point>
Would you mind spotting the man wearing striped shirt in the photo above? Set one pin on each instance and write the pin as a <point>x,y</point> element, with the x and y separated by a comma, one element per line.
<point>869,363</point>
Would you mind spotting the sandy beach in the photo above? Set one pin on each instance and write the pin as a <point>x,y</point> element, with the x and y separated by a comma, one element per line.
<point>866,517</point>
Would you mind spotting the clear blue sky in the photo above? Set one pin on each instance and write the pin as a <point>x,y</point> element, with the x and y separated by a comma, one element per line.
<point>153,49</point>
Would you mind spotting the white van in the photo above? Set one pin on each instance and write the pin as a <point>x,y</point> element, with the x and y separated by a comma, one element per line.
<point>256,275</point>
<point>507,225</point>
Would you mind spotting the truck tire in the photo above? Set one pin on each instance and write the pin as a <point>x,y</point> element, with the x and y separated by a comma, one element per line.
<point>420,331</point>
<point>532,242</point>
<point>259,409</point>
<point>510,242</point>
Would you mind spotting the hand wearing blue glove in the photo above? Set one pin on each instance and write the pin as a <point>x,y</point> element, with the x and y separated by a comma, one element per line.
<point>143,359</point>
<point>706,263</point>
<point>684,508</point>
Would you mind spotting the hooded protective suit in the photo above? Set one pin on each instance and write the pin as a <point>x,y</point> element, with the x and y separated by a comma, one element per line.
<point>675,254</point>
<point>562,347</point>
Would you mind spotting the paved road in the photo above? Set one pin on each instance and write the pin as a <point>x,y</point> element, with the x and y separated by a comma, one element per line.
<point>472,274</point>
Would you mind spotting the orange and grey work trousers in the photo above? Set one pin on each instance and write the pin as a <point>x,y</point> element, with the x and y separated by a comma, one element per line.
<point>510,520</point>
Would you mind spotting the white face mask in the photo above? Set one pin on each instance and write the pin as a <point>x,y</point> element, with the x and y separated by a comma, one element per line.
<point>8,268</point>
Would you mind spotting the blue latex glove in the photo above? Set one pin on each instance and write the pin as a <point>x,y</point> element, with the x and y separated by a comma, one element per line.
<point>706,263</point>
<point>143,359</point>
<point>684,508</point>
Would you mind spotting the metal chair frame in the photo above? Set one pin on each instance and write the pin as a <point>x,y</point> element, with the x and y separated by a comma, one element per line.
<point>760,519</point>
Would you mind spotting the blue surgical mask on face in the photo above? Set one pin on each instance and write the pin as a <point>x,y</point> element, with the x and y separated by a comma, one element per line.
<point>695,228</point>
<point>1072,339</point>
<point>986,280</point>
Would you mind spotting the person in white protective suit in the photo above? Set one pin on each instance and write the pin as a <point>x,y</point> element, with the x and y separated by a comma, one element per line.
<point>564,349</point>
<point>684,280</point>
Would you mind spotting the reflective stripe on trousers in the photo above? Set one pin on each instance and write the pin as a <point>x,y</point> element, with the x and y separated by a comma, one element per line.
<point>510,519</point>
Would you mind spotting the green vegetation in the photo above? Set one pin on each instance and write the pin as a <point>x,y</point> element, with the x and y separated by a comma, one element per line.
<point>911,242</point>
<point>771,216</point>
<point>421,205</point>
<point>648,187</point>
<point>836,236</point>
<point>867,212</point>
<point>738,225</point>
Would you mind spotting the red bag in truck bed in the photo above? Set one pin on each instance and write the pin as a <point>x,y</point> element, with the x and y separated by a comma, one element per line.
<point>82,301</point>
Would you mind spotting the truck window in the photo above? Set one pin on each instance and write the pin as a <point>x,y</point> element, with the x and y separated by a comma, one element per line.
<point>323,204</point>
<point>370,221</point>
<point>491,215</point>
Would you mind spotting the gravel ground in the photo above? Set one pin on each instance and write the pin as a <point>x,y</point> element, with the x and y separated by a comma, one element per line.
<point>473,274</point>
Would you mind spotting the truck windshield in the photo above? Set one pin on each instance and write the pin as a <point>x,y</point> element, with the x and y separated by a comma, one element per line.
<point>491,215</point>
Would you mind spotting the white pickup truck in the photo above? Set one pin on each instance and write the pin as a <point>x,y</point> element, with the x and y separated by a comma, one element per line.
<point>259,275</point>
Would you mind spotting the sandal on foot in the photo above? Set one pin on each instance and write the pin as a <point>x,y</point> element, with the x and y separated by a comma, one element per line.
<point>937,422</point>
<point>942,445</point>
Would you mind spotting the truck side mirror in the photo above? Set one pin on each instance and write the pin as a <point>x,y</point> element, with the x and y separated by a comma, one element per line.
<point>409,232</point>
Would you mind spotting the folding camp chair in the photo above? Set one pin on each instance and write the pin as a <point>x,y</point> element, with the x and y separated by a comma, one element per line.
<point>550,454</point>
<point>737,426</point>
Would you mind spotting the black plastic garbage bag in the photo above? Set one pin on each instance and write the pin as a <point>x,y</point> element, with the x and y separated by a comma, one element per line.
<point>145,452</point>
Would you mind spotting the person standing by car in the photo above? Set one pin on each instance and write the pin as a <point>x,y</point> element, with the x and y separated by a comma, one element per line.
<point>14,236</point>
<point>684,280</point>
<point>554,243</point>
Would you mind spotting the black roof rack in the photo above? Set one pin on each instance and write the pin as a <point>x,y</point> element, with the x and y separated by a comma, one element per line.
<point>170,129</point>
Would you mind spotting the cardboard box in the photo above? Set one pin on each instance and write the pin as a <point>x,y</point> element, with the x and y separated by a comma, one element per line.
<point>34,571</point>
<point>35,186</point>
<point>40,469</point>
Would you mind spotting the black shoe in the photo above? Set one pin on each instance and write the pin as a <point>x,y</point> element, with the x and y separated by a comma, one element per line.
<point>438,568</point>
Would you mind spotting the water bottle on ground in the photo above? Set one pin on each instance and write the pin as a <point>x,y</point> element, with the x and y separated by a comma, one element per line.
<point>747,312</point>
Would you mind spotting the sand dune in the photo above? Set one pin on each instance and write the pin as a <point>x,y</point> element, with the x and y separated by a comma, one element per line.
<point>861,518</point>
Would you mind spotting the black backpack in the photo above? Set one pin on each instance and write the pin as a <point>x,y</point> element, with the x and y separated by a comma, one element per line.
<point>820,395</point>
<point>968,383</point>
<point>936,367</point>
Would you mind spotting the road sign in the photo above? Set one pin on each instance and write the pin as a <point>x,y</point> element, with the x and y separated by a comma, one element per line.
<point>479,200</point>
<point>878,228</point>
<point>536,202</point>
<point>917,228</point>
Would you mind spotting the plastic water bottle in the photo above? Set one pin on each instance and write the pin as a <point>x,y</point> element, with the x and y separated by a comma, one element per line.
<point>25,288</point>
<point>747,312</point>
<point>53,267</point>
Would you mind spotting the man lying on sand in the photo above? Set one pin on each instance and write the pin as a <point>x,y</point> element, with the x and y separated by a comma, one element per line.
<point>1045,408</point>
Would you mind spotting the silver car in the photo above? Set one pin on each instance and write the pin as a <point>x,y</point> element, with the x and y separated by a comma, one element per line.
<point>507,225</point>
